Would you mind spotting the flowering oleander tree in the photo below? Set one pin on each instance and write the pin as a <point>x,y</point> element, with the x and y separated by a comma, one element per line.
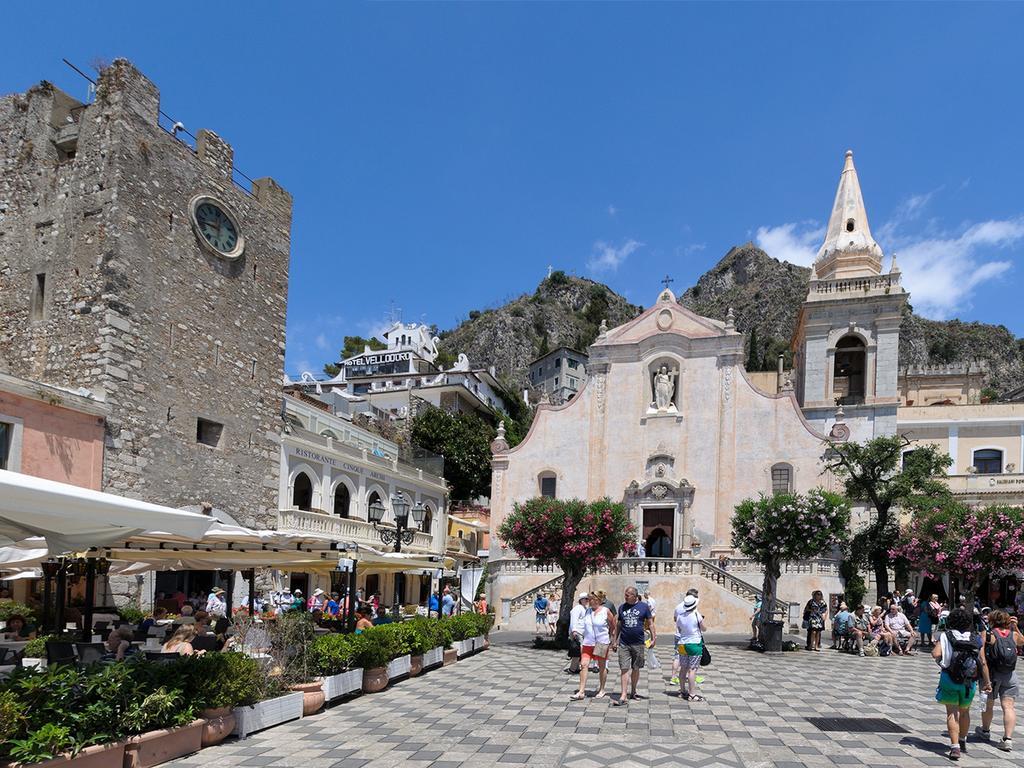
<point>772,530</point>
<point>577,536</point>
<point>945,536</point>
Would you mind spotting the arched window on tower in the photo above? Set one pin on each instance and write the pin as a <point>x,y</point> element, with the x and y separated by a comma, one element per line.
<point>848,372</point>
<point>342,500</point>
<point>302,492</point>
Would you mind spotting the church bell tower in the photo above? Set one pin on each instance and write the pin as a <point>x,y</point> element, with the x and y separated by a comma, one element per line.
<point>846,343</point>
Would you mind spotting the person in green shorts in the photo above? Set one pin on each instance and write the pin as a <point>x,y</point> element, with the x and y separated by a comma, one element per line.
<point>958,655</point>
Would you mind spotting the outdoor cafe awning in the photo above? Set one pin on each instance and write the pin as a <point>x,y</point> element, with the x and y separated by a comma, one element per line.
<point>71,519</point>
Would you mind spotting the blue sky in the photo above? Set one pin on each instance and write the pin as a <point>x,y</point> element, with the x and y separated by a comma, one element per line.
<point>441,156</point>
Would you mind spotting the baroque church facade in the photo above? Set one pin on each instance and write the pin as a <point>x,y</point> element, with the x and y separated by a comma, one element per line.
<point>671,424</point>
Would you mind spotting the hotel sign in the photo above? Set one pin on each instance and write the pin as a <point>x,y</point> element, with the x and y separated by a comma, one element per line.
<point>389,357</point>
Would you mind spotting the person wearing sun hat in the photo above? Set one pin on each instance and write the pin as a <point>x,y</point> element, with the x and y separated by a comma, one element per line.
<point>690,629</point>
<point>316,601</point>
<point>215,603</point>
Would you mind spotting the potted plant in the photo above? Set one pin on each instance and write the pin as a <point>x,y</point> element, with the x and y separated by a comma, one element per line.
<point>396,639</point>
<point>418,641</point>
<point>291,638</point>
<point>52,745</point>
<point>371,654</point>
<point>166,726</point>
<point>332,659</point>
<point>34,652</point>
<point>219,682</point>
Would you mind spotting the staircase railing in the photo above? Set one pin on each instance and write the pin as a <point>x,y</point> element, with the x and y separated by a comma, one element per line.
<point>743,589</point>
<point>520,602</point>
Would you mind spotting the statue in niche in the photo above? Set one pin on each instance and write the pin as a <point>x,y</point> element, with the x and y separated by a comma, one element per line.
<point>664,388</point>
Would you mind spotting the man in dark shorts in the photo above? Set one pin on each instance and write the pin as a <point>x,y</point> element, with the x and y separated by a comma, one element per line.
<point>634,616</point>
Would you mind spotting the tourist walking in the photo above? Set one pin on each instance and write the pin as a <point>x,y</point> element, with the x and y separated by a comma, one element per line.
<point>553,607</point>
<point>576,630</point>
<point>963,665</point>
<point>651,603</point>
<point>815,616</point>
<point>628,641</point>
<point>690,631</point>
<point>1001,646</point>
<point>598,628</point>
<point>540,610</point>
<point>927,618</point>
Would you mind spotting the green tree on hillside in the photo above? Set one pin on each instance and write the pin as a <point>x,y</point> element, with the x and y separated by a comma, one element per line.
<point>353,345</point>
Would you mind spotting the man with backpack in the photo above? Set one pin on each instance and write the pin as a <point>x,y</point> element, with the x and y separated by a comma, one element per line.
<point>958,654</point>
<point>1001,645</point>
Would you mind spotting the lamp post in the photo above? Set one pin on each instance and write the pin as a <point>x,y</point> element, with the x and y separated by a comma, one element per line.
<point>50,569</point>
<point>401,534</point>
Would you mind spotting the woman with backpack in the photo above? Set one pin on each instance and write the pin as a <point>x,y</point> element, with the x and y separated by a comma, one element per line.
<point>958,654</point>
<point>1001,646</point>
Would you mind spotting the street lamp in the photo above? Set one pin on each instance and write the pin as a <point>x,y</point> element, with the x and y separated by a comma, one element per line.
<point>401,534</point>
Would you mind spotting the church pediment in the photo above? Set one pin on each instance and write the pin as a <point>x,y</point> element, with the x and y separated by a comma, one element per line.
<point>666,316</point>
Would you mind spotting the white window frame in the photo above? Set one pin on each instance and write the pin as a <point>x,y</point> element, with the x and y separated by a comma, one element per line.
<point>17,435</point>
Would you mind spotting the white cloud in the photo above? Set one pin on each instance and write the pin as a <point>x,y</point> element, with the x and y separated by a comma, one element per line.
<point>612,210</point>
<point>943,272</point>
<point>605,257</point>
<point>796,242</point>
<point>322,343</point>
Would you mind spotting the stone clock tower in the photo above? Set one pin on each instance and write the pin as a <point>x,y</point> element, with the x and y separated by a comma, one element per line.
<point>846,344</point>
<point>132,265</point>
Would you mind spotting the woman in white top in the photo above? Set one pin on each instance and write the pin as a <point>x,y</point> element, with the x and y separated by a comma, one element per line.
<point>690,630</point>
<point>598,629</point>
<point>553,607</point>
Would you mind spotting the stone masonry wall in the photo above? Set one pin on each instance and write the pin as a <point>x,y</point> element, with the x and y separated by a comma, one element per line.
<point>134,309</point>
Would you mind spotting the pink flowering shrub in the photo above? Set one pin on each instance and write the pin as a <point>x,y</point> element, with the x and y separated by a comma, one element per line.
<point>575,535</point>
<point>946,536</point>
<point>775,529</point>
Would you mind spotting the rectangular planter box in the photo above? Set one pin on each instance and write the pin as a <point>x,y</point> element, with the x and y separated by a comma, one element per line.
<point>158,747</point>
<point>399,667</point>
<point>336,686</point>
<point>264,714</point>
<point>464,647</point>
<point>100,756</point>
<point>434,657</point>
<point>478,643</point>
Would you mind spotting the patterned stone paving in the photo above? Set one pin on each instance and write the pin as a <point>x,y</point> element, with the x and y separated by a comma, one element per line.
<point>510,707</point>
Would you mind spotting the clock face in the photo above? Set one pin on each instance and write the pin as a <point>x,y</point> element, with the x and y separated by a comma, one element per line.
<point>216,227</point>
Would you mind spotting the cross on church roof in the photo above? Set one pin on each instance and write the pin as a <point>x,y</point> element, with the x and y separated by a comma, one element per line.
<point>666,280</point>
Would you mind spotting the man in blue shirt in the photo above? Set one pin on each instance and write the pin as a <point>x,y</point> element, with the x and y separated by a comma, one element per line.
<point>540,608</point>
<point>447,604</point>
<point>432,605</point>
<point>634,617</point>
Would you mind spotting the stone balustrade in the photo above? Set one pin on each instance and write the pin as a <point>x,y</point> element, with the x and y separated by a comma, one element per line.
<point>343,529</point>
<point>875,283</point>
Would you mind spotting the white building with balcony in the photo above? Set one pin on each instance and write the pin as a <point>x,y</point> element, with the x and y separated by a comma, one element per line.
<point>332,471</point>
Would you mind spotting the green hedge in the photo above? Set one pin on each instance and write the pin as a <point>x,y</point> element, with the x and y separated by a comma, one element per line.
<point>64,708</point>
<point>375,647</point>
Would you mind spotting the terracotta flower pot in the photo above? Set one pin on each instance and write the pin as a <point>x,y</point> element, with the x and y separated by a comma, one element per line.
<point>312,696</point>
<point>451,655</point>
<point>375,679</point>
<point>220,722</point>
<point>99,756</point>
<point>416,665</point>
<point>155,747</point>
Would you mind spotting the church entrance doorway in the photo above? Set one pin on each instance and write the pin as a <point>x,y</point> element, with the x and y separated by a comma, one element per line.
<point>658,530</point>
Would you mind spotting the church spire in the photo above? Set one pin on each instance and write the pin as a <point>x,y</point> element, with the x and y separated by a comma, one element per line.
<point>848,250</point>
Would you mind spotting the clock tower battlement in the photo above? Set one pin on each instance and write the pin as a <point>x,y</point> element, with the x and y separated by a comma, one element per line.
<point>142,266</point>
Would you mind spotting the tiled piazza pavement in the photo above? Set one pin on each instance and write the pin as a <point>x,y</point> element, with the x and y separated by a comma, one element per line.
<point>509,706</point>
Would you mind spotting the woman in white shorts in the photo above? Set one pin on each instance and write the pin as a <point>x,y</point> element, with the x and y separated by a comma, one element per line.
<point>553,608</point>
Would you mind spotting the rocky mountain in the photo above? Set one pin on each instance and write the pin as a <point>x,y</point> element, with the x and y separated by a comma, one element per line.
<point>765,295</point>
<point>563,311</point>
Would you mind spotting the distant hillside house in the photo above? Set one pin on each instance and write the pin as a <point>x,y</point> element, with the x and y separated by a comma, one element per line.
<point>559,374</point>
<point>391,383</point>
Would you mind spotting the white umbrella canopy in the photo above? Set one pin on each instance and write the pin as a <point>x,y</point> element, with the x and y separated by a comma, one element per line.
<point>70,518</point>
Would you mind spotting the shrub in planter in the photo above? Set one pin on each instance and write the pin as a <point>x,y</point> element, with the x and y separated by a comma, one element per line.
<point>332,654</point>
<point>10,608</point>
<point>131,613</point>
<point>43,743</point>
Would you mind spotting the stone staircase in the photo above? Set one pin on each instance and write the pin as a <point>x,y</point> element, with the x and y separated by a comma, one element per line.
<point>647,567</point>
